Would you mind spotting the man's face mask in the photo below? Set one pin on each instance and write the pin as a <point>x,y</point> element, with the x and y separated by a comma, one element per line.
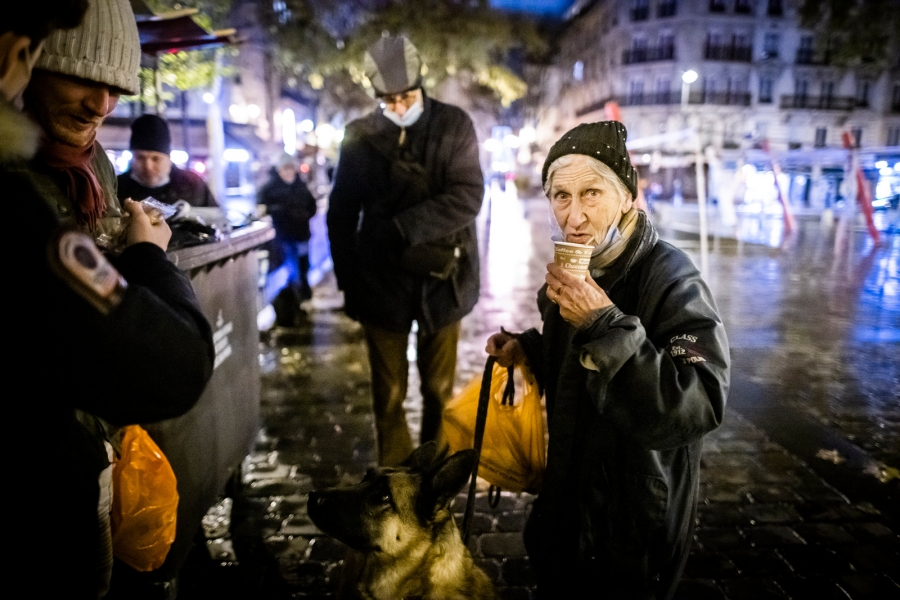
<point>403,109</point>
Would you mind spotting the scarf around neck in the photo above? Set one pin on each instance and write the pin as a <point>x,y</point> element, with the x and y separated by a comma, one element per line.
<point>82,186</point>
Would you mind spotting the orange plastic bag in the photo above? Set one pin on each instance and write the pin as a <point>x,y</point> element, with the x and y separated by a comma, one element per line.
<point>145,502</point>
<point>514,451</point>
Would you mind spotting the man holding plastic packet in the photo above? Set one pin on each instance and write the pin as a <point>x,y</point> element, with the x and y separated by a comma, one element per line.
<point>633,359</point>
<point>127,344</point>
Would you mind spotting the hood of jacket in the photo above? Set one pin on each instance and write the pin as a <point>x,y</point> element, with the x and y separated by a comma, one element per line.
<point>19,135</point>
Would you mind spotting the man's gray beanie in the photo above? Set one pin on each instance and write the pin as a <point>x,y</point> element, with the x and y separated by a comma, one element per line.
<point>393,65</point>
<point>104,48</point>
<point>604,141</point>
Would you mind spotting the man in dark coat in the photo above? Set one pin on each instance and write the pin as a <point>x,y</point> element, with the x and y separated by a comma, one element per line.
<point>634,363</point>
<point>152,173</point>
<point>291,205</point>
<point>411,170</point>
<point>126,343</point>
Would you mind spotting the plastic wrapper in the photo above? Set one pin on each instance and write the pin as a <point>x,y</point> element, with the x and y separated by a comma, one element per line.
<point>145,502</point>
<point>514,451</point>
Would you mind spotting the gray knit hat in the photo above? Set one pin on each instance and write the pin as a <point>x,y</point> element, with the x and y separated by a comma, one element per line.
<point>393,65</point>
<point>104,48</point>
<point>604,141</point>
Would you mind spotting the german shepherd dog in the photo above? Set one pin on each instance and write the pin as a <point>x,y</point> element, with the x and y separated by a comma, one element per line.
<point>398,523</point>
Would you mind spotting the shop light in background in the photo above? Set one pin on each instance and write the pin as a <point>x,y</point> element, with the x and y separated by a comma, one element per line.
<point>304,168</point>
<point>646,158</point>
<point>527,134</point>
<point>179,157</point>
<point>253,111</point>
<point>198,166</point>
<point>511,140</point>
<point>121,161</point>
<point>208,97</point>
<point>289,131</point>
<point>238,113</point>
<point>306,126</point>
<point>325,135</point>
<point>236,155</point>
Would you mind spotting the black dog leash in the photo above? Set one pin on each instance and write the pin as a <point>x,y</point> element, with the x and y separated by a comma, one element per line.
<point>484,398</point>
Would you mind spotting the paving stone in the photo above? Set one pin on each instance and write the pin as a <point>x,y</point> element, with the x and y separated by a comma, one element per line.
<point>804,588</point>
<point>518,572</point>
<point>502,545</point>
<point>769,493</point>
<point>325,549</point>
<point>876,533</point>
<point>704,564</point>
<point>815,560</point>
<point>511,521</point>
<point>514,593</point>
<point>491,568</point>
<point>715,492</point>
<point>754,562</point>
<point>747,588</point>
<point>771,535</point>
<point>867,586</point>
<point>822,511</point>
<point>721,515</point>
<point>871,559</point>
<point>830,534</point>
<point>720,538</point>
<point>698,589</point>
<point>768,514</point>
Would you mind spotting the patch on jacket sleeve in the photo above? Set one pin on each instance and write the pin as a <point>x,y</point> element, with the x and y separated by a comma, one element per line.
<point>683,347</point>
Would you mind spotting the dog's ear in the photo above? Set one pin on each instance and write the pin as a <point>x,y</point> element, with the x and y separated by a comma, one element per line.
<point>443,482</point>
<point>421,458</point>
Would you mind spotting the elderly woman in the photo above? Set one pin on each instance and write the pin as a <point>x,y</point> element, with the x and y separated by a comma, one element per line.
<point>634,363</point>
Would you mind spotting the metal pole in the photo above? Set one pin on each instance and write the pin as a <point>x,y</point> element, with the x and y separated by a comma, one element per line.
<point>701,205</point>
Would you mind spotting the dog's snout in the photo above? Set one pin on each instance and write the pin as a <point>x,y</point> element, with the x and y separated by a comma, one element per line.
<point>320,500</point>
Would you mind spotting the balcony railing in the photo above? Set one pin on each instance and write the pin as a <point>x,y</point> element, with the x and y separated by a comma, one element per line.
<point>818,102</point>
<point>650,54</point>
<point>742,8</point>
<point>726,98</point>
<point>673,97</point>
<point>808,56</point>
<point>895,107</point>
<point>731,53</point>
<point>716,6</point>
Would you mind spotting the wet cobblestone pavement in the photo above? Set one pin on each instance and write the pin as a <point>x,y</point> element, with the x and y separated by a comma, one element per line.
<point>799,490</point>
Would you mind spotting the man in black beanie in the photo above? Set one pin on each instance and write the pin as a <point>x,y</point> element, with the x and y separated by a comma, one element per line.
<point>633,359</point>
<point>152,173</point>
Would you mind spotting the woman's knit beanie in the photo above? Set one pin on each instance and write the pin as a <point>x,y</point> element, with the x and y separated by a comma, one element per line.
<point>604,141</point>
<point>104,48</point>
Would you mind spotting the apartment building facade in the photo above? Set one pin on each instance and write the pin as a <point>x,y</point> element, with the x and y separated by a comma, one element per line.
<point>763,90</point>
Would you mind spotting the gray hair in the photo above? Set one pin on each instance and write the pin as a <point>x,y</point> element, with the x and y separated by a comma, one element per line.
<point>599,168</point>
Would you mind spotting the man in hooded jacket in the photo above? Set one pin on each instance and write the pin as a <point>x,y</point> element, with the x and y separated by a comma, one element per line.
<point>411,171</point>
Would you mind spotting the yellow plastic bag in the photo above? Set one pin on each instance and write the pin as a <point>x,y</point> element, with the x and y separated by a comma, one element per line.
<point>145,502</point>
<point>514,452</point>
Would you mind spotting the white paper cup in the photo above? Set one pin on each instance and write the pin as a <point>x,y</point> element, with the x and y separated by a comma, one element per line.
<point>574,258</point>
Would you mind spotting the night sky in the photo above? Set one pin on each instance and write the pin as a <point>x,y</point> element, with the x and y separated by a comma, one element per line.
<point>541,7</point>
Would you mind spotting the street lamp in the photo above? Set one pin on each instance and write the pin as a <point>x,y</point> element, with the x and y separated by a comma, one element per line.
<point>687,78</point>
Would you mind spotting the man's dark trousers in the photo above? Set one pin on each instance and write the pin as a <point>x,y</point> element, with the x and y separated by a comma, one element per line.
<point>436,360</point>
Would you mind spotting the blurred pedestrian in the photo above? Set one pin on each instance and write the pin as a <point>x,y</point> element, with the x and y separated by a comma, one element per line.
<point>635,366</point>
<point>151,172</point>
<point>401,223</point>
<point>127,344</point>
<point>291,205</point>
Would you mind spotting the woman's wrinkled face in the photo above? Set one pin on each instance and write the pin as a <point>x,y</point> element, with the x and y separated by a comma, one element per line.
<point>585,205</point>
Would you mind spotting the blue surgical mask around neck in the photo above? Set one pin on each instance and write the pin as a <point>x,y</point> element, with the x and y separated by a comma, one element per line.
<point>411,115</point>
